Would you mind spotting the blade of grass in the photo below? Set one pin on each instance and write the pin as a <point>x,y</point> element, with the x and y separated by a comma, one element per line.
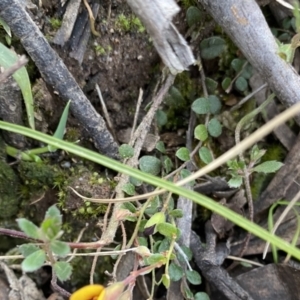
<point>7,59</point>
<point>197,198</point>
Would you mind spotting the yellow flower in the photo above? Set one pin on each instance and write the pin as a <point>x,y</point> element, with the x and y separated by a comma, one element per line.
<point>89,292</point>
<point>98,292</point>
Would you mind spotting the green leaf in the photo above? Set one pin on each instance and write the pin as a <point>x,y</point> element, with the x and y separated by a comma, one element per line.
<point>166,280</point>
<point>268,166</point>
<point>5,27</point>
<point>211,85</point>
<point>184,173</point>
<point>150,164</point>
<point>176,213</point>
<point>154,206</point>
<point>214,104</point>
<point>200,132</point>
<point>60,248</point>
<point>237,64</point>
<point>214,127</point>
<point>155,258</point>
<point>167,229</point>
<point>126,151</point>
<point>54,213</point>
<point>212,47</point>
<point>193,16</point>
<point>27,249</point>
<point>201,106</point>
<point>205,155</point>
<point>168,164</point>
<point>164,245</point>
<point>28,228</point>
<point>129,206</point>
<point>34,261</point>
<point>176,96</point>
<point>226,83</point>
<point>183,154</point>
<point>156,219</point>
<point>7,59</point>
<point>142,241</point>
<point>193,277</point>
<point>60,130</point>
<point>50,229</point>
<point>129,189</point>
<point>160,146</point>
<point>235,182</point>
<point>175,272</point>
<point>256,153</point>
<point>63,270</point>
<point>135,181</point>
<point>161,118</point>
<point>187,251</point>
<point>241,84</point>
<point>201,296</point>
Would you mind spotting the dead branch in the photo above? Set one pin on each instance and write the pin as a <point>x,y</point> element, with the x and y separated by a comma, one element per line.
<point>56,74</point>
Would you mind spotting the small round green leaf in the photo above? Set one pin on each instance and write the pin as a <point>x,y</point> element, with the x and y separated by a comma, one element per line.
<point>126,151</point>
<point>211,85</point>
<point>214,104</point>
<point>205,155</point>
<point>201,106</point>
<point>226,83</point>
<point>156,219</point>
<point>183,154</point>
<point>175,272</point>
<point>167,229</point>
<point>200,133</point>
<point>193,16</point>
<point>193,277</point>
<point>150,164</point>
<point>128,188</point>
<point>201,296</point>
<point>212,47</point>
<point>63,270</point>
<point>161,118</point>
<point>160,146</point>
<point>184,173</point>
<point>135,181</point>
<point>34,261</point>
<point>237,64</point>
<point>241,84</point>
<point>214,127</point>
<point>155,258</point>
<point>176,213</point>
<point>129,206</point>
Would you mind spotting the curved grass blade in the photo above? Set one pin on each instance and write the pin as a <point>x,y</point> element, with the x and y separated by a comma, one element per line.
<point>7,59</point>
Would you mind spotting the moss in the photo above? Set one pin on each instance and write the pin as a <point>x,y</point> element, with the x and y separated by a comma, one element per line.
<point>38,175</point>
<point>129,23</point>
<point>55,23</point>
<point>9,186</point>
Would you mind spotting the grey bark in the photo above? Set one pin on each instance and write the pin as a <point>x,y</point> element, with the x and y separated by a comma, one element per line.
<point>157,16</point>
<point>56,74</point>
<point>244,22</point>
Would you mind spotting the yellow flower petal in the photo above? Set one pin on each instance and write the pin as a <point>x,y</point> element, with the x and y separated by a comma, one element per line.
<point>89,292</point>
